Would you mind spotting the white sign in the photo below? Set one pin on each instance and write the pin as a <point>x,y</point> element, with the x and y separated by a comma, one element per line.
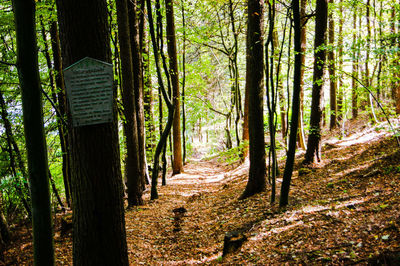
<point>89,84</point>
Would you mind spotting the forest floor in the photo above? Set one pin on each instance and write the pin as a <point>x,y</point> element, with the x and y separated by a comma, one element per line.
<point>343,210</point>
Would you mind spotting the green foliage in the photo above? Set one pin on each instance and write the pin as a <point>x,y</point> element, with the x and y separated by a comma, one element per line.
<point>233,155</point>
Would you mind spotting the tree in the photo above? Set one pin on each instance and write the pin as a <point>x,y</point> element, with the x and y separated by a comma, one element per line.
<point>98,218</point>
<point>177,166</point>
<point>28,72</point>
<point>138,85</point>
<point>314,136</point>
<point>355,53</point>
<point>287,174</point>
<point>331,67</point>
<point>303,36</point>
<point>256,182</point>
<point>133,173</point>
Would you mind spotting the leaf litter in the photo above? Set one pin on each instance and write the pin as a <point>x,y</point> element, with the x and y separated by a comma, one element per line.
<point>344,210</point>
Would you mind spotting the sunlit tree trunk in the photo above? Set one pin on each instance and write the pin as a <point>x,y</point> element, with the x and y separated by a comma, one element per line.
<point>177,165</point>
<point>303,39</point>
<point>314,136</point>
<point>355,54</point>
<point>256,182</point>
<point>341,105</point>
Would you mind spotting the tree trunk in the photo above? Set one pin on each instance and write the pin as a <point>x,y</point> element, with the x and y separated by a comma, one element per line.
<point>28,72</point>
<point>12,148</point>
<point>177,166</point>
<point>303,38</point>
<point>354,87</point>
<point>287,174</point>
<point>133,173</point>
<point>138,85</point>
<point>256,182</point>
<point>63,130</point>
<point>98,218</point>
<point>314,137</point>
<point>164,135</point>
<point>341,113</point>
<point>332,70</point>
<point>183,82</point>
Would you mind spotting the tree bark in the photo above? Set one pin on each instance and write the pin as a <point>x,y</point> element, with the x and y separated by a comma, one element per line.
<point>98,218</point>
<point>63,130</point>
<point>177,166</point>
<point>133,173</point>
<point>28,72</point>
<point>314,137</point>
<point>303,38</point>
<point>257,171</point>
<point>287,174</point>
<point>138,85</point>
<point>354,87</point>
<point>332,70</point>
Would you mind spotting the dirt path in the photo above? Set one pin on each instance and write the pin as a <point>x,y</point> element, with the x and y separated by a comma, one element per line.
<point>151,227</point>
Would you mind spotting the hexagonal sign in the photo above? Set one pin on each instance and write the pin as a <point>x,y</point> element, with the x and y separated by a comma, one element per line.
<point>89,84</point>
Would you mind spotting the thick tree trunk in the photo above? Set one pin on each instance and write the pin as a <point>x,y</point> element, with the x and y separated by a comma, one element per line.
<point>98,218</point>
<point>133,173</point>
<point>314,137</point>
<point>177,166</point>
<point>28,72</point>
<point>257,171</point>
<point>138,85</point>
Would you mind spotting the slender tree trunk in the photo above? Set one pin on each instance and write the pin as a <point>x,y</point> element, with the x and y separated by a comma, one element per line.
<point>133,169</point>
<point>98,218</point>
<point>177,166</point>
<point>332,70</point>
<point>280,85</point>
<point>5,233</point>
<point>257,171</point>
<point>60,119</point>
<point>355,53</point>
<point>314,137</point>
<point>367,79</point>
<point>164,135</point>
<point>303,38</point>
<point>63,130</point>
<point>11,147</point>
<point>287,174</point>
<point>341,106</point>
<point>28,72</point>
<point>183,82</point>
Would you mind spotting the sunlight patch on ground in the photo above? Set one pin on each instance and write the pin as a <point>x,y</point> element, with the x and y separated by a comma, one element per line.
<point>275,231</point>
<point>192,261</point>
<point>297,215</point>
<point>345,172</point>
<point>368,135</point>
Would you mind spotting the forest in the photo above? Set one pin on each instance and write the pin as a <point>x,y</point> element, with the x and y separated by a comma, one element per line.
<point>233,132</point>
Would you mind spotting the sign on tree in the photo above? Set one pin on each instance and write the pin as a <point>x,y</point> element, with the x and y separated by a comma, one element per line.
<point>89,84</point>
